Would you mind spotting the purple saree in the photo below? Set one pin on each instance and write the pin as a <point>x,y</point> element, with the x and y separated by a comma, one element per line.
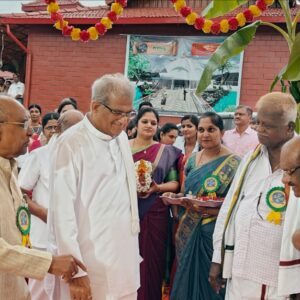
<point>154,220</point>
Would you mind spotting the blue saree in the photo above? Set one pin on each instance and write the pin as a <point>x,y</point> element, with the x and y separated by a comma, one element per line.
<point>194,247</point>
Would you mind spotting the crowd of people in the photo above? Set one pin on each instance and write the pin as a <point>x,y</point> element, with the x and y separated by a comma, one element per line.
<point>218,220</point>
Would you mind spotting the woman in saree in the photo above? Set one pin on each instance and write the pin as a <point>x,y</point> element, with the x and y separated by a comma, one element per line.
<point>208,173</point>
<point>153,213</point>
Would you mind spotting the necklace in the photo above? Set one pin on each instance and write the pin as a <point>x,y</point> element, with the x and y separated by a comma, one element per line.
<point>201,161</point>
<point>140,148</point>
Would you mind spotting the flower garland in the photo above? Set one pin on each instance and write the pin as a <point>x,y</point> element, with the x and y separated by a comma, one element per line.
<point>91,33</point>
<point>215,27</point>
<point>143,170</point>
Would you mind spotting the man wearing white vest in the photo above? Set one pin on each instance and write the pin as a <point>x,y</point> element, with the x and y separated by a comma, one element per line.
<point>95,214</point>
<point>249,230</point>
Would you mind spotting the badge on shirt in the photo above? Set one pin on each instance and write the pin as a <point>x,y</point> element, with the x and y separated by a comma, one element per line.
<point>23,223</point>
<point>277,201</point>
<point>211,184</point>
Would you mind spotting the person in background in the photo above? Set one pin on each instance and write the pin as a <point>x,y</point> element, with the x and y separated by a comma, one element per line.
<point>242,138</point>
<point>168,134</point>
<point>248,236</point>
<point>17,261</point>
<point>92,161</point>
<point>212,167</point>
<point>145,104</point>
<point>35,112</point>
<point>131,129</point>
<point>7,84</point>
<point>153,213</point>
<point>34,181</point>
<point>16,89</point>
<point>2,85</point>
<point>67,104</point>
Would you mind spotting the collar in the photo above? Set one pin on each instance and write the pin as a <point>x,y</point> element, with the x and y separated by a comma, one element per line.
<point>247,131</point>
<point>93,130</point>
<point>7,165</point>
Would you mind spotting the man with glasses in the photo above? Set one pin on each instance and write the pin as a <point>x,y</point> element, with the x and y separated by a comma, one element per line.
<point>17,262</point>
<point>242,138</point>
<point>249,230</point>
<point>95,215</point>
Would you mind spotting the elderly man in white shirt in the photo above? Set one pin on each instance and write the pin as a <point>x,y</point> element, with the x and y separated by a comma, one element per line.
<point>95,214</point>
<point>16,89</point>
<point>249,228</point>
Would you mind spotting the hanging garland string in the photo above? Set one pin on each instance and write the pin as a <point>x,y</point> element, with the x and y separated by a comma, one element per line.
<point>93,32</point>
<point>216,27</point>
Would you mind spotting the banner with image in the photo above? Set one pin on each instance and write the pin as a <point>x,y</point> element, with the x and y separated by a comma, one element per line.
<point>166,70</point>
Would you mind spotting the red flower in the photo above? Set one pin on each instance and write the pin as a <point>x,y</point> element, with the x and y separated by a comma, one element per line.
<point>56,17</point>
<point>199,23</point>
<point>101,28</point>
<point>173,1</point>
<point>233,23</point>
<point>261,5</point>
<point>112,16</point>
<point>185,11</point>
<point>49,1</point>
<point>122,2</point>
<point>84,36</point>
<point>215,28</point>
<point>248,15</point>
<point>67,30</point>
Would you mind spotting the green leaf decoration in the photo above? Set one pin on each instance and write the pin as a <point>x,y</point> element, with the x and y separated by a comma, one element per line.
<point>233,45</point>
<point>217,8</point>
<point>278,77</point>
<point>292,72</point>
<point>295,90</point>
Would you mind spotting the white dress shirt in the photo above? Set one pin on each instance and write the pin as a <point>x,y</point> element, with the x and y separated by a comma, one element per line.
<point>257,241</point>
<point>91,210</point>
<point>16,88</point>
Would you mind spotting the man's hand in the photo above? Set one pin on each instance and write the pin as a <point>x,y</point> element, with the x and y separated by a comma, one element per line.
<point>65,266</point>
<point>215,277</point>
<point>80,288</point>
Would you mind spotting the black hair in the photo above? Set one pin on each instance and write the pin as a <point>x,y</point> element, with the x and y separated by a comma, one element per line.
<point>194,119</point>
<point>247,108</point>
<point>66,102</point>
<point>145,103</point>
<point>168,127</point>
<point>49,116</point>
<point>146,110</point>
<point>131,124</point>
<point>35,106</point>
<point>215,119</point>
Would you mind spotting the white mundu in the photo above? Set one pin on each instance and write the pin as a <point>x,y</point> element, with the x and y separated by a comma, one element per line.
<point>95,209</point>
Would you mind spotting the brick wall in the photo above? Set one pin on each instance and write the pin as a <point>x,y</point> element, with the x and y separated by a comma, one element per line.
<point>62,68</point>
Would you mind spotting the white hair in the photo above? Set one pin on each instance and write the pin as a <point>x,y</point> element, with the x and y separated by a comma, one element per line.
<point>280,103</point>
<point>111,86</point>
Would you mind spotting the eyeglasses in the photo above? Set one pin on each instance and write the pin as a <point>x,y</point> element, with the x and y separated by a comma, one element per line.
<point>290,172</point>
<point>24,125</point>
<point>51,128</point>
<point>120,113</point>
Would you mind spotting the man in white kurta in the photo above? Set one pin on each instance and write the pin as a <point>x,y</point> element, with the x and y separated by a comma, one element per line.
<point>251,239</point>
<point>94,196</point>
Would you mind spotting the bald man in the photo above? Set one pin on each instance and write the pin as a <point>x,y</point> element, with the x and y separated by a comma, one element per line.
<point>249,228</point>
<point>290,164</point>
<point>17,262</point>
<point>34,176</point>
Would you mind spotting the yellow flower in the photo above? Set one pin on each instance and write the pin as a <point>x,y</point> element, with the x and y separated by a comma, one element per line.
<point>224,26</point>
<point>93,33</point>
<point>117,8</point>
<point>53,7</point>
<point>207,26</point>
<point>75,34</point>
<point>179,4</point>
<point>106,22</point>
<point>269,2</point>
<point>59,26</point>
<point>256,12</point>
<point>241,19</point>
<point>191,18</point>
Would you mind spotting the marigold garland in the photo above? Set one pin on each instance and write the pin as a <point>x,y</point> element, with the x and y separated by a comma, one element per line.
<point>215,27</point>
<point>93,32</point>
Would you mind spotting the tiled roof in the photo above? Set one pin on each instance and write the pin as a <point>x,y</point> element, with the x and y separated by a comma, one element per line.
<point>88,15</point>
<point>40,5</point>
